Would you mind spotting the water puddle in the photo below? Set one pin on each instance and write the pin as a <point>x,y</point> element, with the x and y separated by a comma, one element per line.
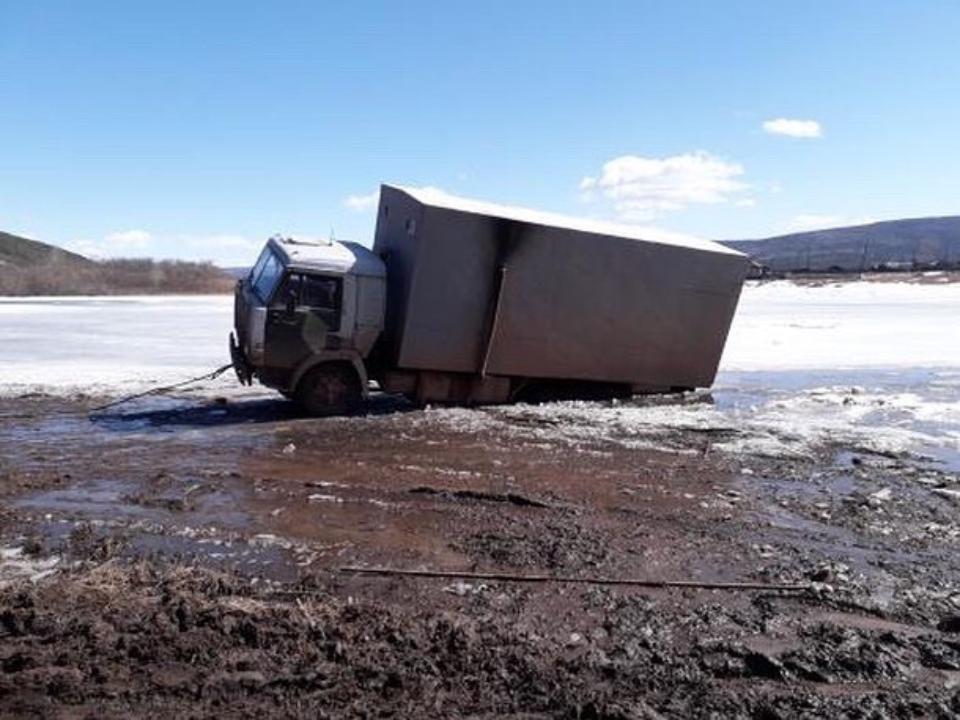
<point>112,500</point>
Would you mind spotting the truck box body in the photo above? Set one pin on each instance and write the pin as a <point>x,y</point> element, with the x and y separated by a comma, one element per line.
<point>496,291</point>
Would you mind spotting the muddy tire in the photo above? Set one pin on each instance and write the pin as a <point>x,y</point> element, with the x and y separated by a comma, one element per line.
<point>329,390</point>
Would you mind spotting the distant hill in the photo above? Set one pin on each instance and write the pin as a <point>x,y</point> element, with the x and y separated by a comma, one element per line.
<point>29,267</point>
<point>921,243</point>
<point>19,252</point>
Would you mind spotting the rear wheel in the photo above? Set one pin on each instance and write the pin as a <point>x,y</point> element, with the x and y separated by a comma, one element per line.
<point>329,390</point>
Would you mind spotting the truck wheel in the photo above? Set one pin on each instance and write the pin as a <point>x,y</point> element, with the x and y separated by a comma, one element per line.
<point>329,390</point>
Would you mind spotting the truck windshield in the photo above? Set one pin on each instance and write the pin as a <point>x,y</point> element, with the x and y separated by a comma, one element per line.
<point>265,275</point>
<point>261,261</point>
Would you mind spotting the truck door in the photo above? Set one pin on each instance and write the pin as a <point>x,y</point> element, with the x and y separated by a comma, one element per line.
<point>302,320</point>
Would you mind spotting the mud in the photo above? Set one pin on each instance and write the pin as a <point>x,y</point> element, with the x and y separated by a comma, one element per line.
<point>181,558</point>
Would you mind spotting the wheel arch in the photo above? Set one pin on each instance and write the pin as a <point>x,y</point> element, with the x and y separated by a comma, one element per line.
<point>351,360</point>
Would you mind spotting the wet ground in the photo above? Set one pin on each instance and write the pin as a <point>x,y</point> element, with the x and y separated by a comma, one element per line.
<point>185,557</point>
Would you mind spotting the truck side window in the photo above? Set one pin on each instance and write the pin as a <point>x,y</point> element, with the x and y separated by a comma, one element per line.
<point>322,295</point>
<point>289,293</point>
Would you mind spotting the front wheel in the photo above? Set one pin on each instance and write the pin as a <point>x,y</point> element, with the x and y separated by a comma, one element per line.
<point>329,390</point>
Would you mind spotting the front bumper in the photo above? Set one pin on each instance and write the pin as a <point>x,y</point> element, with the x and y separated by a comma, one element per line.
<point>241,365</point>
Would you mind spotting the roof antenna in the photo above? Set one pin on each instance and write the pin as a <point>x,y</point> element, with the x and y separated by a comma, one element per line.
<point>332,235</point>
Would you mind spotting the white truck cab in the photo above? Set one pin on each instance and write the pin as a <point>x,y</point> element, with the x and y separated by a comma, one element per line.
<point>306,317</point>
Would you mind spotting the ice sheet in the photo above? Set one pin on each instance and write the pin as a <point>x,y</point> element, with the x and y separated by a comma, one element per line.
<point>783,326</point>
<point>118,343</point>
<point>109,345</point>
<point>876,365</point>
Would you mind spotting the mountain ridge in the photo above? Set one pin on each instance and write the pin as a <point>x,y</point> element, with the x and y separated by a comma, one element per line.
<point>909,243</point>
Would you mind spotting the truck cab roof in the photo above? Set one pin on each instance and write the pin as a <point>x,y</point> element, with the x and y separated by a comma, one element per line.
<point>328,256</point>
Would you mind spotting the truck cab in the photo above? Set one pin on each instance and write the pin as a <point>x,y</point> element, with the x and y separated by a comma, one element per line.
<point>305,319</point>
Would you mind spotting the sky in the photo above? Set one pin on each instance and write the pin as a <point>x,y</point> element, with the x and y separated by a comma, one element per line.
<point>197,129</point>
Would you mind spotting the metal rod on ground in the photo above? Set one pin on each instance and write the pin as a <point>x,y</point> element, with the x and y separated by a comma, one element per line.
<point>515,577</point>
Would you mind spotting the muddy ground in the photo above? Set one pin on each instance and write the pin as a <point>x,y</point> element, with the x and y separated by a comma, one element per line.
<point>184,559</point>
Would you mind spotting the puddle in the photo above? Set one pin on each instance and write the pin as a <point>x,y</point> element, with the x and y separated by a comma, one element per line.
<point>182,520</point>
<point>169,415</point>
<point>114,501</point>
<point>278,562</point>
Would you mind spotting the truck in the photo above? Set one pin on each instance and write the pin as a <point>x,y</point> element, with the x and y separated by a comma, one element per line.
<point>462,301</point>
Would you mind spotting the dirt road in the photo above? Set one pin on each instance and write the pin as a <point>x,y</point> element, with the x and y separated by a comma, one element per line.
<point>181,559</point>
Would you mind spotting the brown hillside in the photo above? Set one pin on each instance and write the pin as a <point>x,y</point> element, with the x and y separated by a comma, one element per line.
<point>29,267</point>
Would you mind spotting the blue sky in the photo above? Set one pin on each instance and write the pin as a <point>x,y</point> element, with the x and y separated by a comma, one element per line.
<point>196,129</point>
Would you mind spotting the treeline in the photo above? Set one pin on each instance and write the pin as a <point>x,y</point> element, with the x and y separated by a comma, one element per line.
<point>115,277</point>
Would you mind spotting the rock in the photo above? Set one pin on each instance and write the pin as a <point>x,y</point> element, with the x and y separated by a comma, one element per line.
<point>462,588</point>
<point>947,493</point>
<point>882,495</point>
<point>289,449</point>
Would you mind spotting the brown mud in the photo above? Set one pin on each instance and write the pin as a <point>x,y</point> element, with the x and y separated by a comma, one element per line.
<point>181,559</point>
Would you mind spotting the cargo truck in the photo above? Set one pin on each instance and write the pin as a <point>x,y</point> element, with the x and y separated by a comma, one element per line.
<point>461,301</point>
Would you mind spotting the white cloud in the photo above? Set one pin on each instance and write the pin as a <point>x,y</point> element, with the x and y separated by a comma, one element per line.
<point>360,203</point>
<point>89,248</point>
<point>641,187</point>
<point>124,243</point>
<point>793,128</point>
<point>369,202</point>
<point>226,242</point>
<point>222,248</point>
<point>746,203</point>
<point>128,239</point>
<point>807,222</point>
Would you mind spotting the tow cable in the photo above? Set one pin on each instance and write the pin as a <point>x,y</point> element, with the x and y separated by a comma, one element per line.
<point>159,390</point>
